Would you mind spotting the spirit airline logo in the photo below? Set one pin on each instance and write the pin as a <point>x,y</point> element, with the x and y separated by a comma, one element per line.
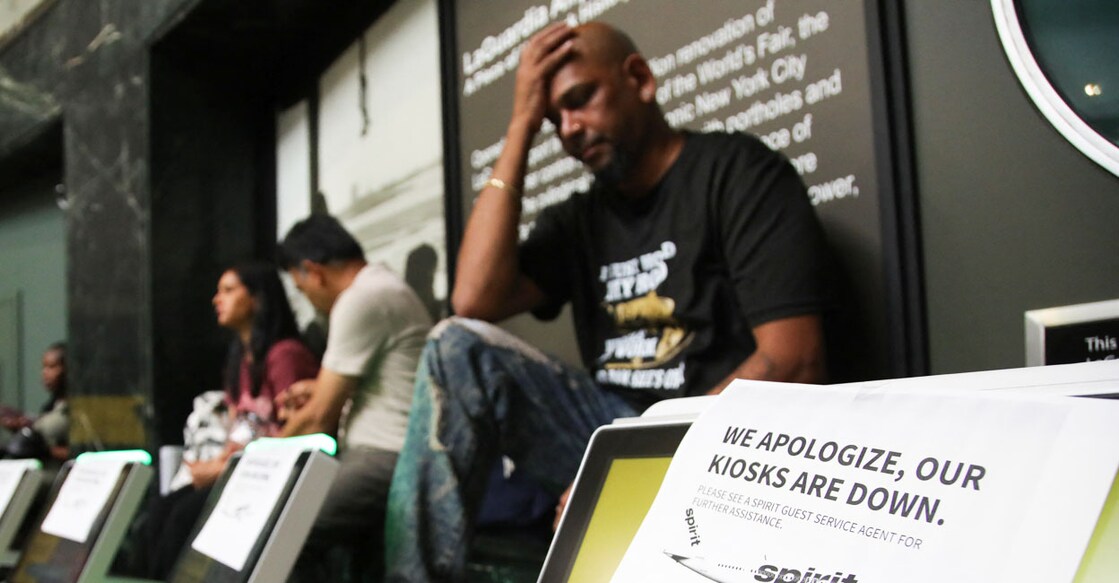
<point>731,573</point>
<point>777,574</point>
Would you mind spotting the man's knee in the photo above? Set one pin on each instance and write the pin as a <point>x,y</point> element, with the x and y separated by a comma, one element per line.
<point>462,332</point>
<point>453,338</point>
<point>458,337</point>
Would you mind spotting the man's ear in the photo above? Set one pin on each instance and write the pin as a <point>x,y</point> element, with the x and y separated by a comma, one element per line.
<point>640,77</point>
<point>312,270</point>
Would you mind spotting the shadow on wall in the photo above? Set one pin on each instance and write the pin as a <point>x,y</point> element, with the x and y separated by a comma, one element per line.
<point>419,273</point>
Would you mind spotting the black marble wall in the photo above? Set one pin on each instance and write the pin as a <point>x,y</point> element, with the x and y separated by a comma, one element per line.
<point>166,111</point>
<point>91,58</point>
<point>162,164</point>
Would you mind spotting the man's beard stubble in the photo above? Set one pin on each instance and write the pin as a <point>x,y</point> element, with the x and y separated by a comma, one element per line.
<point>616,170</point>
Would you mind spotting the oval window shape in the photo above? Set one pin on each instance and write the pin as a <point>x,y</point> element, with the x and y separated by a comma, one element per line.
<point>1066,56</point>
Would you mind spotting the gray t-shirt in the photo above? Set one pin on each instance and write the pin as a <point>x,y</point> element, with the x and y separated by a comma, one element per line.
<point>377,331</point>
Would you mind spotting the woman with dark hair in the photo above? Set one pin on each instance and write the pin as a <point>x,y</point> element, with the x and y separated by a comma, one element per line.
<point>265,357</point>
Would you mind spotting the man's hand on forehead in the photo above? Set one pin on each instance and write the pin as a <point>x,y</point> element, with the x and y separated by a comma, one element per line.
<point>540,57</point>
<point>548,49</point>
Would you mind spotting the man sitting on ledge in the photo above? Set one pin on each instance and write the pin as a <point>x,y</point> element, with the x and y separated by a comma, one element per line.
<point>364,388</point>
<point>693,260</point>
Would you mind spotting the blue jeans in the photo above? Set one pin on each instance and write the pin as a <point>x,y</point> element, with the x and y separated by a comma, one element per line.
<point>481,392</point>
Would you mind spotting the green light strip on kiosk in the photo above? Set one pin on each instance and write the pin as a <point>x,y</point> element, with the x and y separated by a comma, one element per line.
<point>28,464</point>
<point>319,441</point>
<point>138,456</point>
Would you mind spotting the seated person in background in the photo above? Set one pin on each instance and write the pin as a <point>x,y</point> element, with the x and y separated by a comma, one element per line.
<point>693,260</point>
<point>46,437</point>
<point>265,358</point>
<point>363,392</point>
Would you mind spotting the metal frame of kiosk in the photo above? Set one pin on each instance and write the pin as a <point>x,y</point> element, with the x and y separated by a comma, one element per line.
<point>107,533</point>
<point>273,558</point>
<point>298,515</point>
<point>124,507</point>
<point>13,515</point>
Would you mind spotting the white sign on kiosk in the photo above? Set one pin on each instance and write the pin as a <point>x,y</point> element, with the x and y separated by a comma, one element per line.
<point>247,501</point>
<point>82,498</point>
<point>792,484</point>
<point>11,472</point>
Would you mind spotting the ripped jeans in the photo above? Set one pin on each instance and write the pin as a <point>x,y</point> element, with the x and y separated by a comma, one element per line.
<point>481,392</point>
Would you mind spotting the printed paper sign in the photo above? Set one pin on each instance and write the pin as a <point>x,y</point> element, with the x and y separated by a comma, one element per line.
<point>799,484</point>
<point>246,502</point>
<point>11,472</point>
<point>81,499</point>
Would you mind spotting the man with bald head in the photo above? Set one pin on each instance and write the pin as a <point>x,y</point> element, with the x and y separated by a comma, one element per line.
<point>694,259</point>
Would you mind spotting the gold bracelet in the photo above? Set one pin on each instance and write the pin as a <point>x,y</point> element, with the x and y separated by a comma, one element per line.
<point>502,185</point>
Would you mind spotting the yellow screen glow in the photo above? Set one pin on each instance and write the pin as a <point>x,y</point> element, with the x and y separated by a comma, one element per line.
<point>628,492</point>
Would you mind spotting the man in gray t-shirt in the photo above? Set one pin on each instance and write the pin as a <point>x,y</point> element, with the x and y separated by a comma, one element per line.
<point>376,333</point>
<point>363,392</point>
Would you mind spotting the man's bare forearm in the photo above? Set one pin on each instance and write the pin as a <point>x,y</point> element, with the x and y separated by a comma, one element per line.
<point>788,350</point>
<point>322,410</point>
<point>488,281</point>
<point>305,422</point>
<point>762,367</point>
<point>487,271</point>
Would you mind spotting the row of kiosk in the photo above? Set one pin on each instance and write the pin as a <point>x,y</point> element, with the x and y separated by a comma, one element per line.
<point>263,506</point>
<point>251,530</point>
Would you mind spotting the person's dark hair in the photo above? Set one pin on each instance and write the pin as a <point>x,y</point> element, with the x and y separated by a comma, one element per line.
<point>272,321</point>
<point>59,393</point>
<point>320,239</point>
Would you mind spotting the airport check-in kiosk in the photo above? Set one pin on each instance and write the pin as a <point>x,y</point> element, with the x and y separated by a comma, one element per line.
<point>19,483</point>
<point>94,499</point>
<point>626,462</point>
<point>88,510</point>
<point>269,551</point>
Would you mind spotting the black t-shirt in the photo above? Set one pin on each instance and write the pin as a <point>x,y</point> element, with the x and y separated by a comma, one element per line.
<point>665,289</point>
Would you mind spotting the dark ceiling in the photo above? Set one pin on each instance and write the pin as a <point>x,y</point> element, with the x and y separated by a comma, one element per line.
<point>277,47</point>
